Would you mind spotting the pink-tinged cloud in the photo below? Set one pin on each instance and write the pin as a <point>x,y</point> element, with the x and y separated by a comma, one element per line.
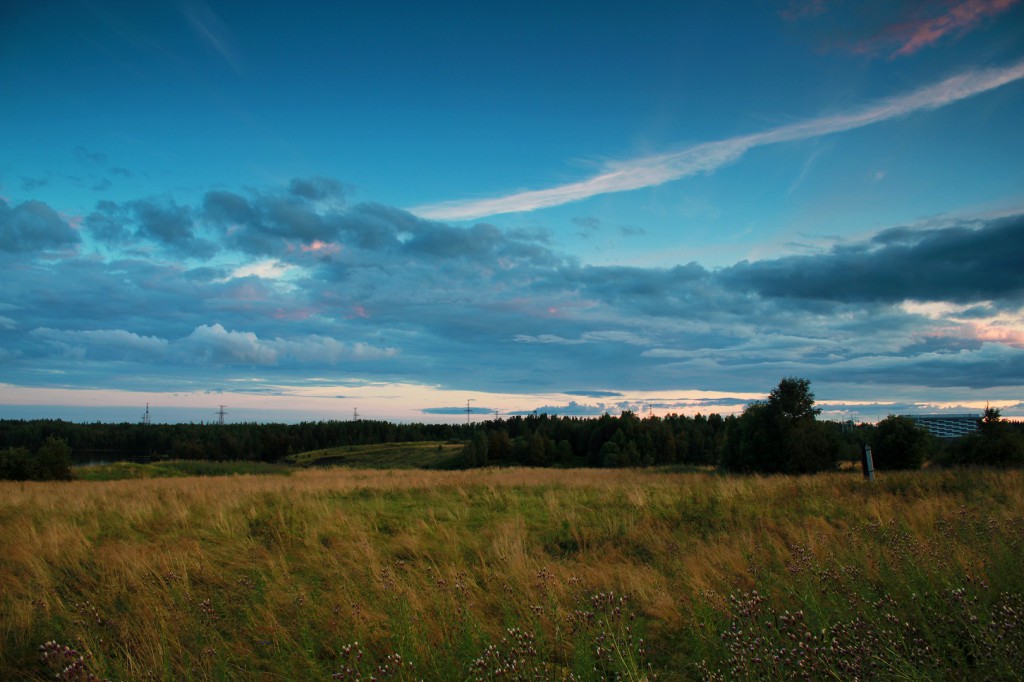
<point>324,248</point>
<point>1008,336</point>
<point>247,292</point>
<point>360,311</point>
<point>801,9</point>
<point>958,18</point>
<point>73,221</point>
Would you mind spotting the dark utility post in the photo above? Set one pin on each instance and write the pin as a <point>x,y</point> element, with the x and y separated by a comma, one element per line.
<point>868,464</point>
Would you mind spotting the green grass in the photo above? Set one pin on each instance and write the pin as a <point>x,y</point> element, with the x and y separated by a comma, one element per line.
<point>516,574</point>
<point>176,468</point>
<point>414,455</point>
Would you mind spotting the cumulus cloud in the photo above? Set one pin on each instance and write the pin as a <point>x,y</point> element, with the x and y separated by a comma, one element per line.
<point>477,307</point>
<point>570,409</point>
<point>33,226</point>
<point>215,344</point>
<point>115,344</point>
<point>207,345</point>
<point>316,188</point>
<point>171,225</point>
<point>272,223</point>
<point>164,223</point>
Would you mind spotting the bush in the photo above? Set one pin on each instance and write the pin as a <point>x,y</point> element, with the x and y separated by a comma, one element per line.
<point>52,462</point>
<point>15,464</point>
<point>899,443</point>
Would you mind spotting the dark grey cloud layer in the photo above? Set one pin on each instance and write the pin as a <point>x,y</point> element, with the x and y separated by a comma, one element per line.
<point>962,264</point>
<point>33,226</point>
<point>293,282</point>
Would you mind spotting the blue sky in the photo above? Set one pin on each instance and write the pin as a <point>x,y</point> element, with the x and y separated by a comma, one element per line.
<point>402,208</point>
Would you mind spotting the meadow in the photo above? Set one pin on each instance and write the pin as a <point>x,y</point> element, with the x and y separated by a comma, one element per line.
<point>408,455</point>
<point>514,574</point>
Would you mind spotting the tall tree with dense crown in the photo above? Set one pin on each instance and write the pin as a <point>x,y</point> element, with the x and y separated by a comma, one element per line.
<point>781,435</point>
<point>899,443</point>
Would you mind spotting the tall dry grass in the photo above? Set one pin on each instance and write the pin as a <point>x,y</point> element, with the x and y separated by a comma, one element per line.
<point>266,576</point>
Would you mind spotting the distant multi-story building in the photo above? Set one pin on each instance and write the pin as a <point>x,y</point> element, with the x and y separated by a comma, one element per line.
<point>947,425</point>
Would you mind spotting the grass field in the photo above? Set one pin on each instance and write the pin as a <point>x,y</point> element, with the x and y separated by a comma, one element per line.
<point>514,574</point>
<point>415,455</point>
<point>117,471</point>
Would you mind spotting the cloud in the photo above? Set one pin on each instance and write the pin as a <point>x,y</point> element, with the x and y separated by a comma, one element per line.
<point>108,223</point>
<point>594,394</point>
<point>215,344</point>
<point>267,269</point>
<point>116,344</point>
<point>588,223</point>
<point>32,184</point>
<point>206,345</point>
<point>209,27</point>
<point>800,9</point>
<point>601,337</point>
<point>655,170</point>
<point>172,226</point>
<point>957,18</point>
<point>272,223</point>
<point>570,409</point>
<point>959,264</point>
<point>456,410</point>
<point>404,299</point>
<point>85,156</point>
<point>547,338</point>
<point>158,221</point>
<point>33,226</point>
<point>316,188</point>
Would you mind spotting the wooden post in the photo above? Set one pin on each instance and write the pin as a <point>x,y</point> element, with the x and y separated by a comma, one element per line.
<point>868,464</point>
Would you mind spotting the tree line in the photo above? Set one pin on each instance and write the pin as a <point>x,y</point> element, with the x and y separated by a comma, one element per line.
<point>781,434</point>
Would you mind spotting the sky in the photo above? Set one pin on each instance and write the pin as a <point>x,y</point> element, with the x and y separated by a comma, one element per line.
<point>405,210</point>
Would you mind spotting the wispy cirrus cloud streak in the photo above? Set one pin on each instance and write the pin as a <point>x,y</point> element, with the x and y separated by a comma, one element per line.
<point>960,17</point>
<point>649,171</point>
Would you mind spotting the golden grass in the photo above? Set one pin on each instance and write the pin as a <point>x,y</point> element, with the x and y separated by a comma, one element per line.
<point>149,573</point>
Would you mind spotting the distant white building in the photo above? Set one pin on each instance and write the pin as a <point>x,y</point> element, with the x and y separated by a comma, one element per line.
<point>947,425</point>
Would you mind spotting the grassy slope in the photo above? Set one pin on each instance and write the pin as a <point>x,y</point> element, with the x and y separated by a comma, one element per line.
<point>416,455</point>
<point>174,468</point>
<point>913,577</point>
